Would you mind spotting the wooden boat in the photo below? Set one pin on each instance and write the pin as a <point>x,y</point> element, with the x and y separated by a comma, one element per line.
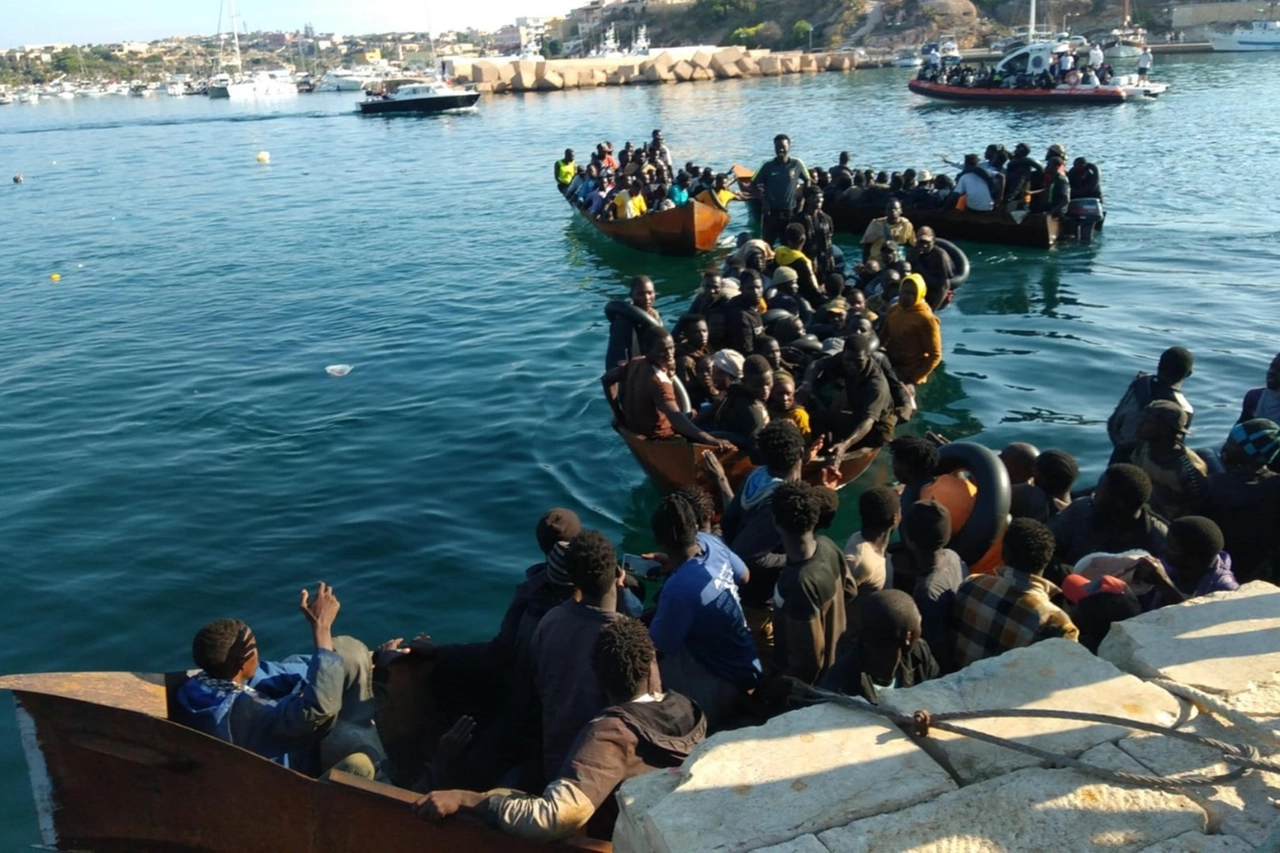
<point>1035,230</point>
<point>112,773</point>
<point>686,230</point>
<point>675,463</point>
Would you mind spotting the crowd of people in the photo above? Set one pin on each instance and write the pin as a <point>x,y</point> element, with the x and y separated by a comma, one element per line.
<point>1063,67</point>
<point>637,181</point>
<point>598,673</point>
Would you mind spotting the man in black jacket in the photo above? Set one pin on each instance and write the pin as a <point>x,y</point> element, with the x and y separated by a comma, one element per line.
<point>888,653</point>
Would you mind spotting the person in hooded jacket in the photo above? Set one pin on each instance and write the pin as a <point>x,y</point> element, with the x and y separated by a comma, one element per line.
<point>643,729</point>
<point>912,335</point>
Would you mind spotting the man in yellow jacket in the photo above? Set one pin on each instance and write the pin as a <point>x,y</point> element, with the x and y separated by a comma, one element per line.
<point>912,335</point>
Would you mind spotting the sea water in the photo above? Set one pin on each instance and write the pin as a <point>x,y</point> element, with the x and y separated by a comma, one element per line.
<point>175,444</point>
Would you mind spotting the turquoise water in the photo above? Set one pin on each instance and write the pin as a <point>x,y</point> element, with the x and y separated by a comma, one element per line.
<point>173,450</point>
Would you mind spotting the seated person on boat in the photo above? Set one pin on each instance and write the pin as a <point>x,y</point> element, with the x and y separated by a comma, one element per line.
<point>744,411</point>
<point>933,265</point>
<point>642,394</point>
<point>309,712</point>
<point>848,398</point>
<point>624,333</point>
<point>644,728</point>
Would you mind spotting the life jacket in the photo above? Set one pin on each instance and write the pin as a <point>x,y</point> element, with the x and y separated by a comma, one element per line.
<point>564,171</point>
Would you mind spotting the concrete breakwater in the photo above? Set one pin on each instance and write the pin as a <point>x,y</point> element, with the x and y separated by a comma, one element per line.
<point>727,63</point>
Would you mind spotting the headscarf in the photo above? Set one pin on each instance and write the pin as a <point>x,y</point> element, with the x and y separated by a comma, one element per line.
<point>920,304</point>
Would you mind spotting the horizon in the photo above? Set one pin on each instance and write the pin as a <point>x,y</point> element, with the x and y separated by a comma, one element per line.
<point>83,22</point>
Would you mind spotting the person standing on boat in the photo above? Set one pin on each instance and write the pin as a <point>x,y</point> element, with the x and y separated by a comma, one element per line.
<point>893,227</point>
<point>1177,472</point>
<point>973,187</point>
<point>1096,57</point>
<point>1085,179</point>
<point>776,182</point>
<point>912,335</point>
<point>565,170</point>
<point>1023,174</point>
<point>644,728</point>
<point>1054,198</point>
<point>1144,64</point>
<point>307,712</point>
<point>661,153</point>
<point>933,265</point>
<point>1173,369</point>
<point>624,333</point>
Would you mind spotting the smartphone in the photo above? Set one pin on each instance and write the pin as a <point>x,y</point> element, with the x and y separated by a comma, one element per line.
<point>639,566</point>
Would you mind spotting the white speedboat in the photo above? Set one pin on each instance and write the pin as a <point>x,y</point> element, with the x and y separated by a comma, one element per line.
<point>432,97</point>
<point>27,97</point>
<point>175,89</point>
<point>1262,35</point>
<point>5,100</point>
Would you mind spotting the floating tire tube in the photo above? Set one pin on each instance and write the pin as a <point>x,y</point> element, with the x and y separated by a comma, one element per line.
<point>616,309</point>
<point>959,261</point>
<point>773,315</point>
<point>989,515</point>
<point>808,343</point>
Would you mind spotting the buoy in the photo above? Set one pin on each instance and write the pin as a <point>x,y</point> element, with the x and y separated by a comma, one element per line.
<point>338,369</point>
<point>264,157</point>
<point>17,179</point>
<point>55,277</point>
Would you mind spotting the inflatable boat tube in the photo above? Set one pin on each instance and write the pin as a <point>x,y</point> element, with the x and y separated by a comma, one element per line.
<point>984,514</point>
<point>959,261</point>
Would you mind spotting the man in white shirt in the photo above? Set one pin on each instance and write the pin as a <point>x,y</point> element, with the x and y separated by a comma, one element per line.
<point>1095,57</point>
<point>973,186</point>
<point>1144,65</point>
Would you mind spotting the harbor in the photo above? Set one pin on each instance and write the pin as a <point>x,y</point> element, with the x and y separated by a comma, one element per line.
<point>257,341</point>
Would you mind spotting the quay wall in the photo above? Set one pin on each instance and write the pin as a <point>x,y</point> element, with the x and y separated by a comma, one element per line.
<point>675,66</point>
<point>1204,14</point>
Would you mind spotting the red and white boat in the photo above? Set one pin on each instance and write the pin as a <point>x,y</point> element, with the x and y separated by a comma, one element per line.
<point>1022,78</point>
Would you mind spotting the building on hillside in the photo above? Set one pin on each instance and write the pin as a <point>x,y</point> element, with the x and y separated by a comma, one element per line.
<point>531,32</point>
<point>367,56</point>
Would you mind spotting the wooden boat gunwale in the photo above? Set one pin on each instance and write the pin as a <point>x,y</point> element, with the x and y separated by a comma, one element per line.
<point>112,773</point>
<point>686,230</point>
<point>1035,230</point>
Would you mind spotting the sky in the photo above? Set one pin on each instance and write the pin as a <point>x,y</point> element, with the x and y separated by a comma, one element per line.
<point>104,21</point>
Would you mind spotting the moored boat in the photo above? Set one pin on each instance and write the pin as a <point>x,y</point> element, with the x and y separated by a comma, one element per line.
<point>425,97</point>
<point>1022,77</point>
<point>686,230</point>
<point>1261,36</point>
<point>112,773</point>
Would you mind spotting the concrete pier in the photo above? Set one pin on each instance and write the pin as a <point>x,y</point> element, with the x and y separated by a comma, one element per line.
<point>830,779</point>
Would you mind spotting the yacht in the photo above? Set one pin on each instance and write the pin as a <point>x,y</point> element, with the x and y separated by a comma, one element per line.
<point>640,44</point>
<point>608,48</point>
<point>240,86</point>
<point>908,57</point>
<point>1126,42</point>
<point>1262,35</point>
<point>358,79</point>
<point>430,97</point>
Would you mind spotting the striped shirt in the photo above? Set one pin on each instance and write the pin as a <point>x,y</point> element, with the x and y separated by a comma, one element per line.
<point>1007,610</point>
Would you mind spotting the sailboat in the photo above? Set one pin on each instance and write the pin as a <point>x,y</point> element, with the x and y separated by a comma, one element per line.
<point>241,86</point>
<point>1127,42</point>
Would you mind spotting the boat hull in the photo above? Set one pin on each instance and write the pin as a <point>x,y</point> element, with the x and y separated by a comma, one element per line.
<point>686,230</point>
<point>435,104</point>
<point>672,464</point>
<point>1244,43</point>
<point>1035,230</point>
<point>1060,95</point>
<point>111,774</point>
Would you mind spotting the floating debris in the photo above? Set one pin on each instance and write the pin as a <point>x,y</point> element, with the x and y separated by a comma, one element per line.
<point>338,369</point>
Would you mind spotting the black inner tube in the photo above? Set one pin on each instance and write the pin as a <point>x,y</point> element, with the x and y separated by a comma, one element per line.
<point>959,261</point>
<point>990,514</point>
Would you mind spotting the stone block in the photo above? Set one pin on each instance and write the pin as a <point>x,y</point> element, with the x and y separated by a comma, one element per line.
<point>550,81</point>
<point>540,69</point>
<point>1227,643</point>
<point>840,62</point>
<point>628,71</point>
<point>663,61</point>
<point>599,77</point>
<point>501,88</point>
<point>790,64</point>
<point>1198,842</point>
<point>1241,808</point>
<point>748,67</point>
<point>507,72</point>
<point>701,59</point>
<point>521,83</point>
<point>808,63</point>
<point>1053,673</point>
<point>526,69</point>
<point>643,68</point>
<point>484,72</point>
<point>617,78</point>
<point>462,79</point>
<point>729,55</point>
<point>659,75</point>
<point>770,66</point>
<point>484,88</point>
<point>798,774</point>
<point>682,71</point>
<point>725,69</point>
<point>569,78</point>
<point>703,74</point>
<point>1031,809</point>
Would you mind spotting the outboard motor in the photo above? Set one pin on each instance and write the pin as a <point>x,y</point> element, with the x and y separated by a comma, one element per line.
<point>1084,216</point>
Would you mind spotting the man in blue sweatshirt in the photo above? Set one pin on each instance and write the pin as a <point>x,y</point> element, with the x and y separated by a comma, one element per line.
<point>307,712</point>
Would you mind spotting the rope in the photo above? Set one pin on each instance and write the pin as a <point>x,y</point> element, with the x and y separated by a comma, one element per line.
<point>1211,704</point>
<point>1242,756</point>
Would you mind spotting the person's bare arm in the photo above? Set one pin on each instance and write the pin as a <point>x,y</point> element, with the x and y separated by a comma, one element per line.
<point>687,428</point>
<point>320,613</point>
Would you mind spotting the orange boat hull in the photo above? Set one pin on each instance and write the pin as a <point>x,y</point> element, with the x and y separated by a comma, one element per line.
<point>686,230</point>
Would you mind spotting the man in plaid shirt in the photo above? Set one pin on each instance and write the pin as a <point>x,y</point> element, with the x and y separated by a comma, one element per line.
<point>1011,609</point>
